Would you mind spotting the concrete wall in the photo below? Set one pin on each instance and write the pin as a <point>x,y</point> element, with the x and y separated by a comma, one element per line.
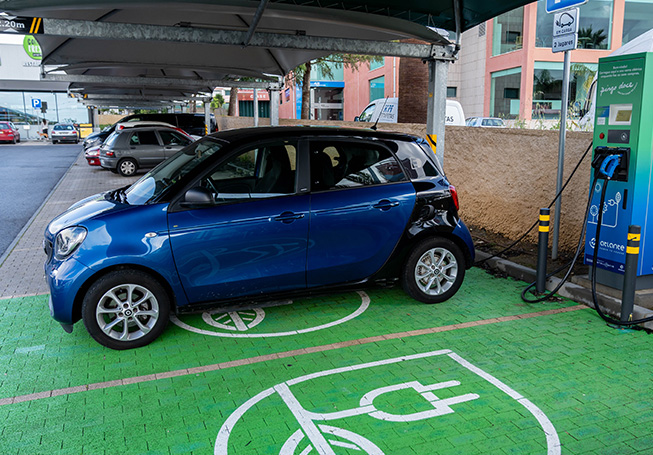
<point>503,176</point>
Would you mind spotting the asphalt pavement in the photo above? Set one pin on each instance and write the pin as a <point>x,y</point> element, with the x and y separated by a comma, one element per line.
<point>29,170</point>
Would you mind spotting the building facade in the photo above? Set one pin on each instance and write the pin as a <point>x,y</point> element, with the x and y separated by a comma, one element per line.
<point>507,69</point>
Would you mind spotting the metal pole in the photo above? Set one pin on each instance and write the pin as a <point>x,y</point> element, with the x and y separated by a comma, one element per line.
<point>630,273</point>
<point>255,107</point>
<point>542,248</point>
<point>561,153</point>
<point>274,107</point>
<point>207,115</point>
<point>437,104</point>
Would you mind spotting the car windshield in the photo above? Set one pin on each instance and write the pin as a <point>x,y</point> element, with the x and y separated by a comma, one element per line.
<point>171,171</point>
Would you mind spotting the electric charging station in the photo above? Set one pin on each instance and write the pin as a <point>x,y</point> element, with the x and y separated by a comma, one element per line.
<point>623,126</point>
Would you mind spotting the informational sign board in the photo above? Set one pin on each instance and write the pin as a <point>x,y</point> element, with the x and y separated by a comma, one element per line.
<point>564,43</point>
<point>36,103</point>
<point>20,24</point>
<point>566,22</point>
<point>553,6</point>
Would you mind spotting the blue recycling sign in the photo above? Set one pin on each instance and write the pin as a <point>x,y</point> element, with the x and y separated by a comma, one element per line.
<point>36,103</point>
<point>553,6</point>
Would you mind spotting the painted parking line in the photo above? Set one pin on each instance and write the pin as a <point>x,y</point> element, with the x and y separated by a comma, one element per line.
<point>280,355</point>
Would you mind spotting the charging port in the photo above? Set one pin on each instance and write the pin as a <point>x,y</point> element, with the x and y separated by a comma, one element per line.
<point>620,173</point>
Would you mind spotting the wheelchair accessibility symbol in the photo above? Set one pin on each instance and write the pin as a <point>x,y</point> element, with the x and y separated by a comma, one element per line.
<point>314,432</point>
<point>239,324</point>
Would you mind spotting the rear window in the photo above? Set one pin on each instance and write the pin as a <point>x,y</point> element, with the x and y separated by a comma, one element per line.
<point>63,127</point>
<point>5,126</point>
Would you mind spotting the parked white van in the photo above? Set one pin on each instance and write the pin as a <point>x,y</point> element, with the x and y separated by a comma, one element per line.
<point>386,111</point>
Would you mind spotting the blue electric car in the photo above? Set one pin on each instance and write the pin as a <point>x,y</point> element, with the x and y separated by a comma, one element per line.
<point>251,214</point>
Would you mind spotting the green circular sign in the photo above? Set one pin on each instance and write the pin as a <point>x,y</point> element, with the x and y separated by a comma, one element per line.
<point>32,47</point>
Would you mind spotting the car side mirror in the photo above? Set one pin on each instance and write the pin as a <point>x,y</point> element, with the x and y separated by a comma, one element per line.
<point>198,197</point>
<point>357,119</point>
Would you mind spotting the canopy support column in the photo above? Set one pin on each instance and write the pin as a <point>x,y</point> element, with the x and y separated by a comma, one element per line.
<point>437,104</point>
<point>207,115</point>
<point>274,107</point>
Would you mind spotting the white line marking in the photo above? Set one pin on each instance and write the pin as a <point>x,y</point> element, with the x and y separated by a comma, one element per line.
<point>365,303</point>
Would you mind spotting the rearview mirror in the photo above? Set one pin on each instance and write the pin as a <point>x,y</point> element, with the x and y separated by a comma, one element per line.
<point>198,197</point>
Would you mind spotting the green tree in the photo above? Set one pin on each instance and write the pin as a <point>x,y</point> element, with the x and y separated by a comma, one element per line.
<point>326,65</point>
<point>217,102</point>
<point>589,39</point>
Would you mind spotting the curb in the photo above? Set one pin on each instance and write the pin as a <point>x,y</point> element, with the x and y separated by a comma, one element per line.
<point>575,292</point>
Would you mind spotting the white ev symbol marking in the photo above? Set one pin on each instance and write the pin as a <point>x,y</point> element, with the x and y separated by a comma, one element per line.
<point>323,438</point>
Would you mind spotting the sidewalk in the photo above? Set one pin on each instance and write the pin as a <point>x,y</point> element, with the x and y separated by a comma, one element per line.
<point>370,372</point>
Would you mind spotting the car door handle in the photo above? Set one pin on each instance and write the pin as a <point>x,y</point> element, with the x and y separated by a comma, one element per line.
<point>288,217</point>
<point>385,204</point>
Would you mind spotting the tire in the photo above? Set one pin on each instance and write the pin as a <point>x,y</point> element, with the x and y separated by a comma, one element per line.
<point>434,270</point>
<point>131,326</point>
<point>127,167</point>
<point>115,171</point>
<point>53,142</point>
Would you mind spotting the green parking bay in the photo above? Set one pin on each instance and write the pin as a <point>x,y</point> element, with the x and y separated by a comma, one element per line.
<point>481,373</point>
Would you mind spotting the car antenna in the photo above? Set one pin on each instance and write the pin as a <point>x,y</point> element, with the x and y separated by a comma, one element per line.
<point>373,127</point>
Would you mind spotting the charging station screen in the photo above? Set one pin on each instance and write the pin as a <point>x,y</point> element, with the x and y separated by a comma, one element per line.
<point>621,114</point>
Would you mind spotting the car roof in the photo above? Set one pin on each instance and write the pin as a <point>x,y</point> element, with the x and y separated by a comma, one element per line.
<point>276,132</point>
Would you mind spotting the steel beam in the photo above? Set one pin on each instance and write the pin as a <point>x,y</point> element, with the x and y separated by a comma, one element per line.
<point>437,104</point>
<point>159,82</point>
<point>142,32</point>
<point>93,97</point>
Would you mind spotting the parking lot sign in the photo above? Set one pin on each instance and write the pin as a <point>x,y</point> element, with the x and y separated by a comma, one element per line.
<point>553,6</point>
<point>36,103</point>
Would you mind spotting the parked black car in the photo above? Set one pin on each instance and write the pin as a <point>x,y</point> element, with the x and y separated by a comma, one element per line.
<point>190,123</point>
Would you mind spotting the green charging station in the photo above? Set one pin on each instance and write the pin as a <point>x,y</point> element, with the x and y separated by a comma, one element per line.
<point>623,126</point>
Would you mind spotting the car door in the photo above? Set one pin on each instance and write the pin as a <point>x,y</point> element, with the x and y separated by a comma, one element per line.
<point>253,239</point>
<point>172,141</point>
<point>361,202</point>
<point>144,145</point>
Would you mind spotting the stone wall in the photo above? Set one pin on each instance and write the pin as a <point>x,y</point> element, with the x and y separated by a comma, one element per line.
<point>503,176</point>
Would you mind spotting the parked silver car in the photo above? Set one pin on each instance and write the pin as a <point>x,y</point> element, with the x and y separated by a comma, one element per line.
<point>64,132</point>
<point>485,122</point>
<point>127,150</point>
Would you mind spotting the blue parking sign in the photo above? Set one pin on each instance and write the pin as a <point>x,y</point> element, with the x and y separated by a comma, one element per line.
<point>36,103</point>
<point>553,6</point>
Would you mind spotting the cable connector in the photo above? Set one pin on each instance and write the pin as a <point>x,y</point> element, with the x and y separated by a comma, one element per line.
<point>609,165</point>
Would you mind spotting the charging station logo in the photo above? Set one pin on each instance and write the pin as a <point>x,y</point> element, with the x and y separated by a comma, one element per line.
<point>610,212</point>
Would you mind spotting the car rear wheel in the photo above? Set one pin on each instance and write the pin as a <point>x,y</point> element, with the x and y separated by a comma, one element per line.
<point>126,309</point>
<point>54,142</point>
<point>127,167</point>
<point>434,270</point>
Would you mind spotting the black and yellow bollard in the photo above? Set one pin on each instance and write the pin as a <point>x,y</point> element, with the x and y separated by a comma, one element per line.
<point>630,273</point>
<point>542,250</point>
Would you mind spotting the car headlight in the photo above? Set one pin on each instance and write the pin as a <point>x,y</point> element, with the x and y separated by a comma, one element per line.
<point>67,241</point>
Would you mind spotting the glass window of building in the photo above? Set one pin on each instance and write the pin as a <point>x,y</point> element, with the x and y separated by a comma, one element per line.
<point>594,26</point>
<point>377,88</point>
<point>638,18</point>
<point>376,64</point>
<point>504,101</point>
<point>547,88</point>
<point>327,103</point>
<point>452,92</point>
<point>508,32</point>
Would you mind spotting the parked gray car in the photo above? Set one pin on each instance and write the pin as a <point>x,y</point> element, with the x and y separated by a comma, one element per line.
<point>127,150</point>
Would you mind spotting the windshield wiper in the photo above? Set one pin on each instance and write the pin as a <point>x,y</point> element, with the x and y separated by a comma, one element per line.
<point>118,194</point>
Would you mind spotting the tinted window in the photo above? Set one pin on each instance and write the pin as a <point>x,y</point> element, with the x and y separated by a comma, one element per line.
<point>415,159</point>
<point>366,115</point>
<point>5,125</point>
<point>337,165</point>
<point>173,138</point>
<point>63,127</point>
<point>265,171</point>
<point>143,138</point>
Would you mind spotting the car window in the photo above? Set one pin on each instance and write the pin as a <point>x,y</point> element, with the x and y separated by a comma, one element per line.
<point>4,125</point>
<point>173,138</point>
<point>336,165</point>
<point>63,127</point>
<point>366,115</point>
<point>262,172</point>
<point>492,122</point>
<point>111,140</point>
<point>172,171</point>
<point>143,138</point>
<point>414,156</point>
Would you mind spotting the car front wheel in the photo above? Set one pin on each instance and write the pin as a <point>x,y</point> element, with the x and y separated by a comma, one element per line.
<point>126,309</point>
<point>127,167</point>
<point>434,270</point>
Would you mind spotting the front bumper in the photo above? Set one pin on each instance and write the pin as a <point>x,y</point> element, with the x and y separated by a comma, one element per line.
<point>64,279</point>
